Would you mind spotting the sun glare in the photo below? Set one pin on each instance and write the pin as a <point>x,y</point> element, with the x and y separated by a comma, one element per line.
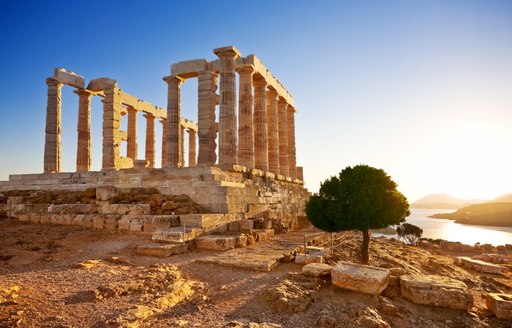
<point>470,161</point>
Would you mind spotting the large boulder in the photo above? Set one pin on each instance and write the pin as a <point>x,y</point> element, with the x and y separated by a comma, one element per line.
<point>360,278</point>
<point>436,290</point>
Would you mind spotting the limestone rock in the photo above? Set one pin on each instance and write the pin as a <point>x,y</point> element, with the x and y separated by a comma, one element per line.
<point>436,290</point>
<point>214,242</point>
<point>360,278</point>
<point>316,269</point>
<point>293,294</point>
<point>500,305</point>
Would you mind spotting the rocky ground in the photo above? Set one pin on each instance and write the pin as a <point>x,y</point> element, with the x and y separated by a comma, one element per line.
<point>64,276</point>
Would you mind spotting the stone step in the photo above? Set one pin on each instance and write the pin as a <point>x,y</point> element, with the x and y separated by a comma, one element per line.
<point>479,265</point>
<point>176,235</point>
<point>161,250</point>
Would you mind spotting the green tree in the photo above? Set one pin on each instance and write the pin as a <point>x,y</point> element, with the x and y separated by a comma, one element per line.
<point>359,198</point>
<point>409,233</point>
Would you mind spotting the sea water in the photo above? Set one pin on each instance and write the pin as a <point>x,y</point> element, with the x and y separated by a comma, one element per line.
<point>449,230</point>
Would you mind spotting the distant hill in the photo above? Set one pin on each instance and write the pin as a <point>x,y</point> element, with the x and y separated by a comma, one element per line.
<point>504,199</point>
<point>491,214</point>
<point>442,201</point>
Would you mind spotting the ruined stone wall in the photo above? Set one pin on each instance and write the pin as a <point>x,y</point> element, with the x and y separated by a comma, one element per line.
<point>246,194</point>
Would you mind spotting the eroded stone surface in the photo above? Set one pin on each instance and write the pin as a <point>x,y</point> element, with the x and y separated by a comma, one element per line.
<point>316,269</point>
<point>436,290</point>
<point>500,305</point>
<point>360,278</point>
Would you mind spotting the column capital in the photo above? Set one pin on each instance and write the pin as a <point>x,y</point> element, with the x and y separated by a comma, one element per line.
<point>259,81</point>
<point>271,92</point>
<point>246,70</point>
<point>227,52</point>
<point>53,82</point>
<point>291,109</point>
<point>149,116</point>
<point>83,92</point>
<point>173,79</point>
<point>281,101</point>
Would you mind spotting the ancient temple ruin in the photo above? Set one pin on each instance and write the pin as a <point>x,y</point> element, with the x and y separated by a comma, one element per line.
<point>244,165</point>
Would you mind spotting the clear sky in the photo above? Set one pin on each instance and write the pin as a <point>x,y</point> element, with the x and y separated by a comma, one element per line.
<point>421,89</point>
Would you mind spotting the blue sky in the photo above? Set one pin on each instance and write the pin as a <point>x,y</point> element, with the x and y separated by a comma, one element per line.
<point>421,89</point>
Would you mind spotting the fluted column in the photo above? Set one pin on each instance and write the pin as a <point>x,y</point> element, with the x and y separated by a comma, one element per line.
<point>192,156</point>
<point>207,100</point>
<point>174,158</point>
<point>272,132</point>
<point>131,147</point>
<point>283,136</point>
<point>52,146</point>
<point>83,149</point>
<point>150,139</point>
<point>164,142</point>
<point>182,144</point>
<point>227,110</point>
<point>260,124</point>
<point>111,125</point>
<point>291,142</point>
<point>245,117</point>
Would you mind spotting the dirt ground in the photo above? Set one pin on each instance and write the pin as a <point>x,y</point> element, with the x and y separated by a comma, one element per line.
<point>64,276</point>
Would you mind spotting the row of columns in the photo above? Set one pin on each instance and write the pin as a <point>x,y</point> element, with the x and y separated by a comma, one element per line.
<point>112,136</point>
<point>266,122</point>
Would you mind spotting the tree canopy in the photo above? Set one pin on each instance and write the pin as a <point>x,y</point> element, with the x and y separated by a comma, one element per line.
<point>359,198</point>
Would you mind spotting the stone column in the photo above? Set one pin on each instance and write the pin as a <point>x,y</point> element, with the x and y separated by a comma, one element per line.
<point>207,100</point>
<point>164,141</point>
<point>131,142</point>
<point>174,141</point>
<point>150,139</point>
<point>52,146</point>
<point>245,117</point>
<point>192,156</point>
<point>182,144</point>
<point>227,111</point>
<point>291,143</point>
<point>111,125</point>
<point>283,136</point>
<point>260,124</point>
<point>83,149</point>
<point>272,131</point>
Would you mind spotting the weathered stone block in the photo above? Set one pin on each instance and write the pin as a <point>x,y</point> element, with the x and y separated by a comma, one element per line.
<point>98,222</point>
<point>436,290</point>
<point>136,224</point>
<point>245,225</point>
<point>189,68</point>
<point>360,278</point>
<point>241,241</point>
<point>161,250</point>
<point>126,209</point>
<point>309,258</point>
<point>105,193</point>
<point>124,223</point>
<point>316,269</point>
<point>480,265</point>
<point>213,242</point>
<point>500,305</point>
<point>69,78</point>
<point>111,223</point>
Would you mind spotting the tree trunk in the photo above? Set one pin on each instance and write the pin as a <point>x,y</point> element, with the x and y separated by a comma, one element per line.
<point>364,246</point>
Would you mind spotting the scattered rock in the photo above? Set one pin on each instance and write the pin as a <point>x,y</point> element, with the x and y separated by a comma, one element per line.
<point>316,269</point>
<point>436,290</point>
<point>360,278</point>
